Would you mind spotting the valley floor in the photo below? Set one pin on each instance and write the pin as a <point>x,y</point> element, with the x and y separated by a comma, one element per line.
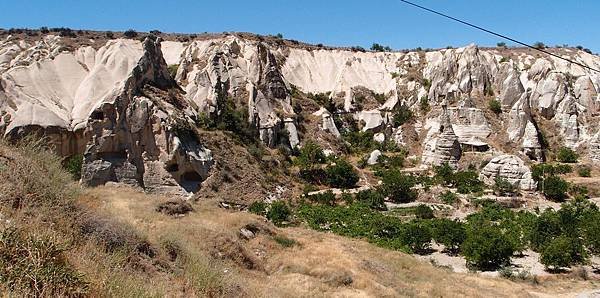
<point>299,262</point>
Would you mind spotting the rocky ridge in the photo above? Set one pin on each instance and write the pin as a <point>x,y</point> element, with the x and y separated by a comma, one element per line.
<point>120,108</point>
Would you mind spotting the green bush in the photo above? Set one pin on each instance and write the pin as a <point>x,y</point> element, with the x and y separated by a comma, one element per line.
<point>444,174</point>
<point>360,141</point>
<point>584,171</point>
<point>467,182</point>
<point>73,166</point>
<point>310,155</point>
<point>402,114</point>
<point>258,207</point>
<point>279,213</point>
<point>325,198</point>
<point>555,188</point>
<point>417,236</point>
<point>486,247</point>
<point>495,106</point>
<point>449,198</point>
<point>373,199</point>
<point>541,171</point>
<point>566,155</point>
<point>450,233</point>
<point>423,211</point>
<point>564,251</point>
<point>36,266</point>
<point>341,174</point>
<point>503,187</point>
<point>398,187</point>
<point>173,70</point>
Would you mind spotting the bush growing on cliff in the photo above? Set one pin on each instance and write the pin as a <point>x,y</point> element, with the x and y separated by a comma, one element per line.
<point>73,165</point>
<point>495,106</point>
<point>584,171</point>
<point>566,155</point>
<point>279,213</point>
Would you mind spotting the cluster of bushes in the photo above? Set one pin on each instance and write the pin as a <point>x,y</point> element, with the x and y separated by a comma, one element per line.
<point>464,181</point>
<point>380,48</point>
<point>338,173</point>
<point>553,186</point>
<point>495,106</point>
<point>487,239</point>
<point>362,141</point>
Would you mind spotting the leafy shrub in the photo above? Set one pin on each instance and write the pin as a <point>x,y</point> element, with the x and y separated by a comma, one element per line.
<point>341,174</point>
<point>417,236</point>
<point>310,155</point>
<point>173,70</point>
<point>539,45</point>
<point>379,48</point>
<point>372,198</point>
<point>449,198</point>
<point>36,266</point>
<point>503,187</point>
<point>258,207</point>
<point>486,247</point>
<point>73,166</point>
<point>130,33</point>
<point>423,211</point>
<point>325,198</point>
<point>398,187</point>
<point>501,44</point>
<point>555,188</point>
<point>495,106</point>
<point>563,251</point>
<point>467,182</point>
<point>584,171</point>
<point>444,174</point>
<point>566,155</point>
<point>402,114</point>
<point>279,213</point>
<point>546,227</point>
<point>360,141</point>
<point>424,104</point>
<point>450,233</point>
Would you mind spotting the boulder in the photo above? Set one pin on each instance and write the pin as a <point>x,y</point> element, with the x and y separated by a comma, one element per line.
<point>511,168</point>
<point>373,157</point>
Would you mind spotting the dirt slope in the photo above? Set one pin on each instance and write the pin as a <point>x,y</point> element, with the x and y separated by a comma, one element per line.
<point>317,265</point>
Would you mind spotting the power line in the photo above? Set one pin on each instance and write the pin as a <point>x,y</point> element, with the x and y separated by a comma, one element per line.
<point>499,35</point>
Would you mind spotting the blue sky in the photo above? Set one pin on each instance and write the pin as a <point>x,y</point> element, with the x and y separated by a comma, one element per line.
<point>340,23</point>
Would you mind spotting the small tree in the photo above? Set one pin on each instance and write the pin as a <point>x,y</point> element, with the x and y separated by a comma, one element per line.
<point>555,188</point>
<point>539,45</point>
<point>279,213</point>
<point>467,182</point>
<point>495,106</point>
<point>341,174</point>
<point>444,174</point>
<point>501,44</point>
<point>424,212</point>
<point>563,251</point>
<point>416,236</point>
<point>398,187</point>
<point>566,155</point>
<point>450,233</point>
<point>486,247</point>
<point>130,33</point>
<point>503,187</point>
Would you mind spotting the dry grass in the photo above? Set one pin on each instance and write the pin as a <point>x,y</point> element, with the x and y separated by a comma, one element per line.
<point>319,265</point>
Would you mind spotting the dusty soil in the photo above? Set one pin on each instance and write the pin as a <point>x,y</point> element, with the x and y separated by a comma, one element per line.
<point>318,264</point>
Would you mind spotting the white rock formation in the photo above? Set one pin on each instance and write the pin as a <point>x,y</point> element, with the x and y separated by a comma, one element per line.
<point>373,157</point>
<point>442,146</point>
<point>511,168</point>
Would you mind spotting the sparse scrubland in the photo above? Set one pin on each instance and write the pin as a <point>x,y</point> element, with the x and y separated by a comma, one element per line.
<point>58,239</point>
